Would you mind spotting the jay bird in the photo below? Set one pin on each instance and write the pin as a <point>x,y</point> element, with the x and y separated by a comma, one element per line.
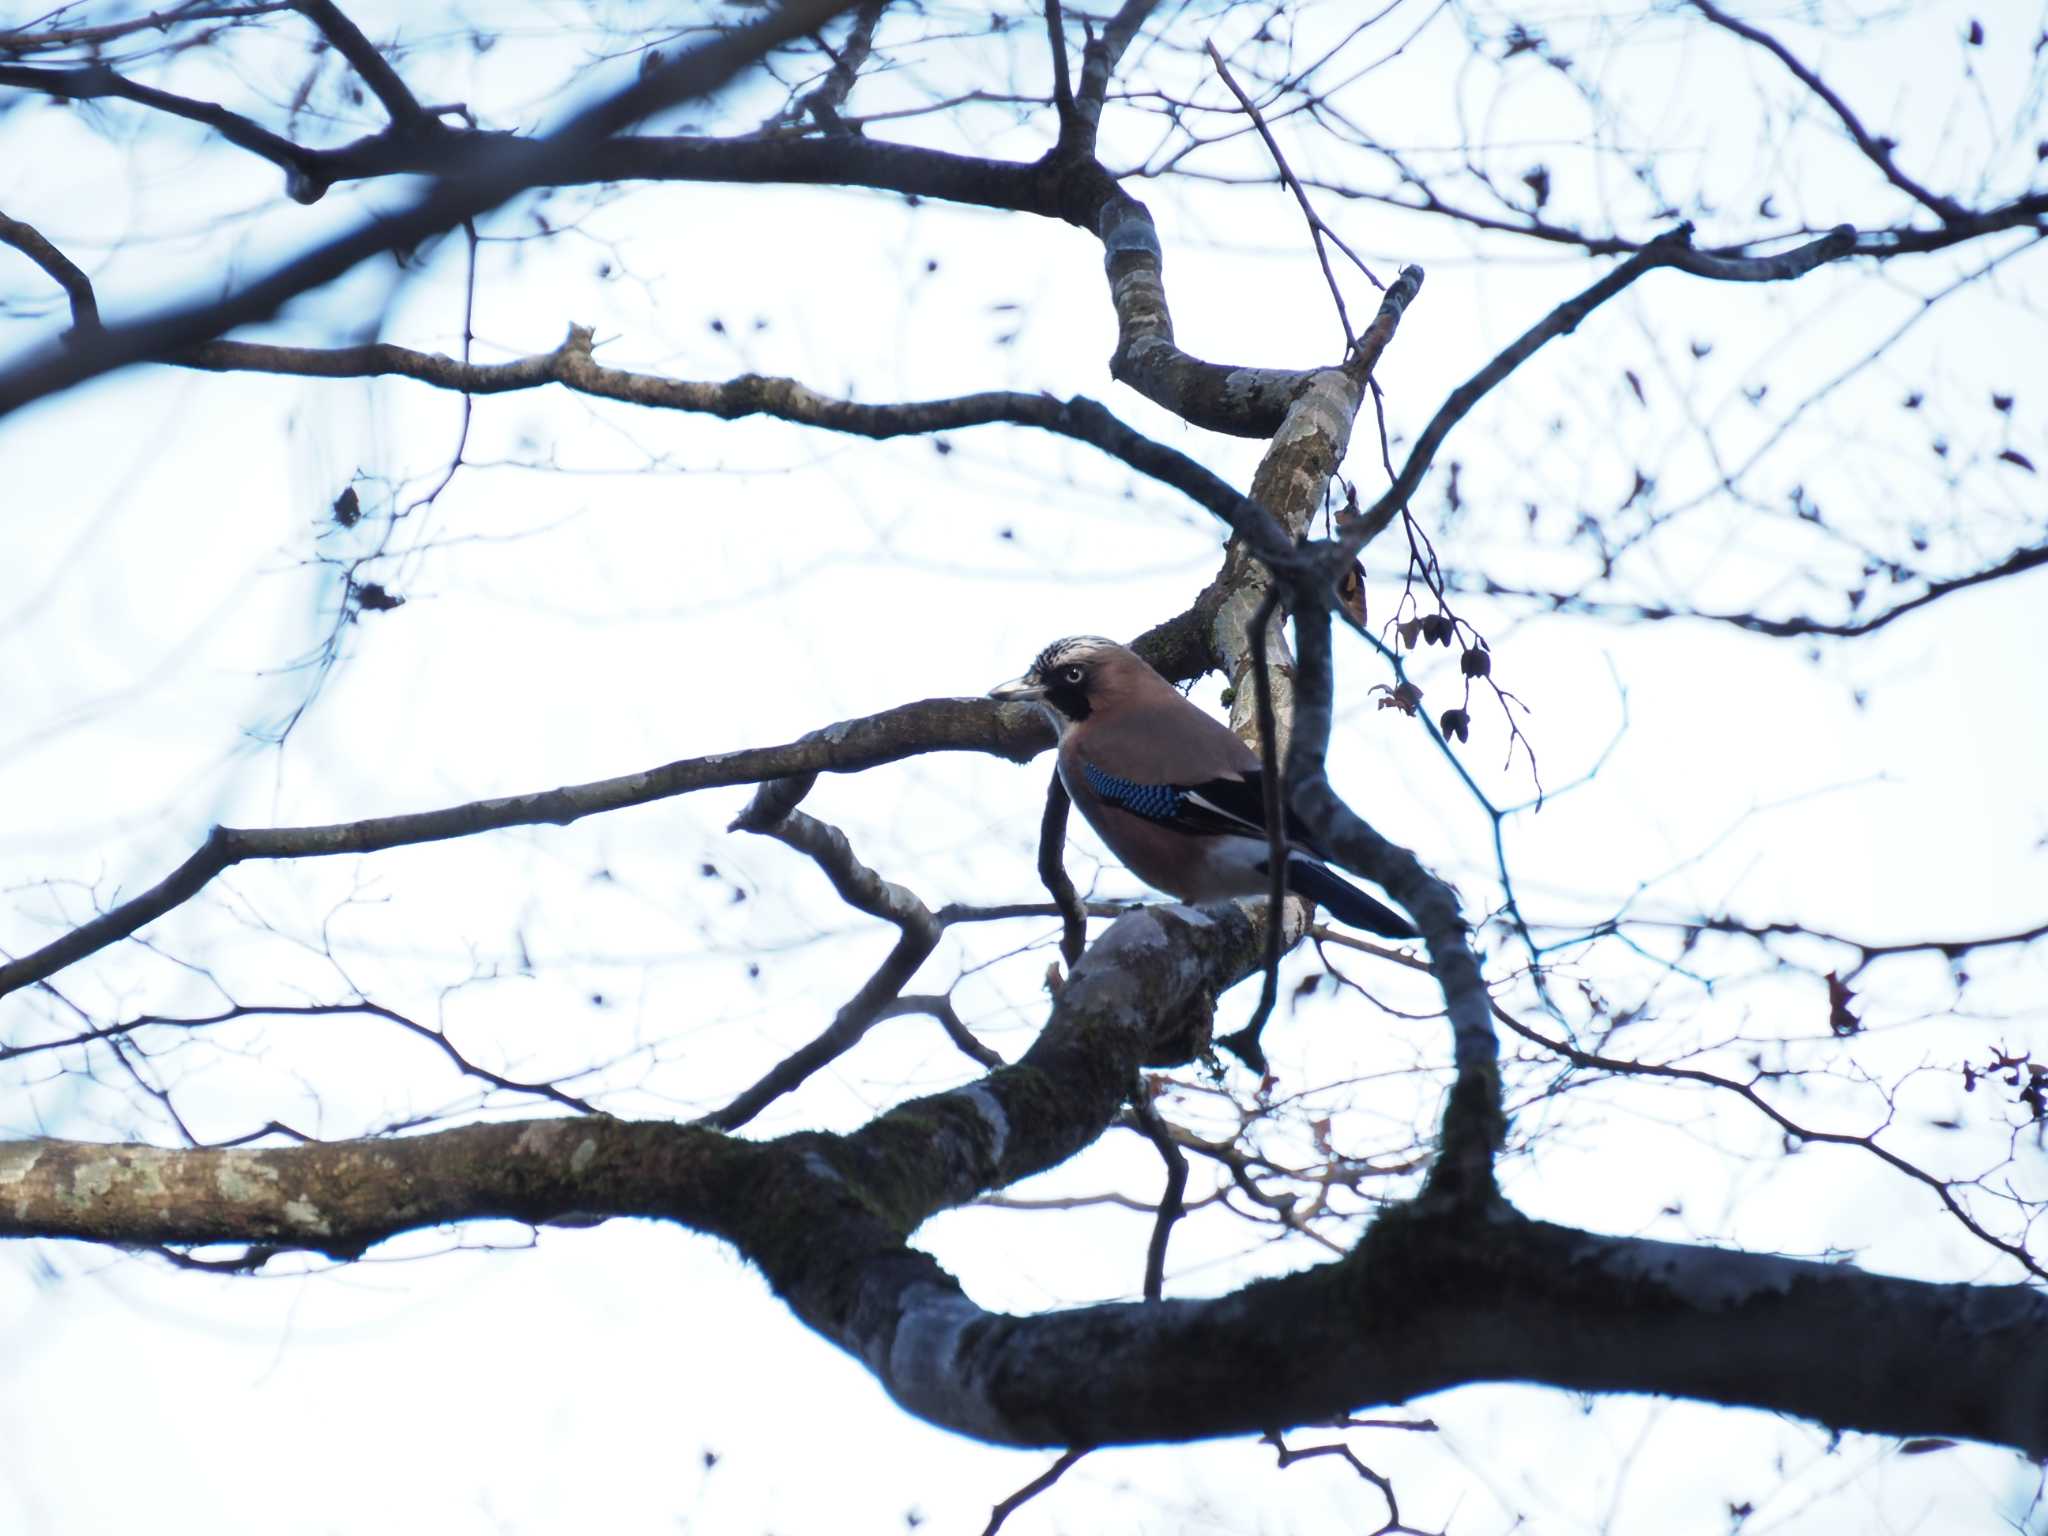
<point>1173,792</point>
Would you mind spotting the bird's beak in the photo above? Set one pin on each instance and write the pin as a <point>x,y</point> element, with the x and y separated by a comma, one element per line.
<point>1019,690</point>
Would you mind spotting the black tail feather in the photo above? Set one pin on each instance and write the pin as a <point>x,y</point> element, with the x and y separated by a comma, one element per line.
<point>1345,901</point>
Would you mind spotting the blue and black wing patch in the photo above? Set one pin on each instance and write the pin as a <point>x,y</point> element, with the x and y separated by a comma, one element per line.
<point>1216,805</point>
<point>1155,802</point>
<point>1234,806</point>
<point>1238,806</point>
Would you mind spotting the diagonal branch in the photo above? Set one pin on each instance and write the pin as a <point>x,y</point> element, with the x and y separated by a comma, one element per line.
<point>48,36</point>
<point>573,366</point>
<point>365,58</point>
<point>771,814</point>
<point>66,273</point>
<point>1032,1489</point>
<point>938,1006</point>
<point>93,82</point>
<point>1052,873</point>
<point>822,103</point>
<point>2031,557</point>
<point>1317,229</point>
<point>1877,151</point>
<point>1474,1121</point>
<point>1670,249</point>
<point>1433,1297</point>
<point>470,184</point>
<point>931,725</point>
<point>1173,1198</point>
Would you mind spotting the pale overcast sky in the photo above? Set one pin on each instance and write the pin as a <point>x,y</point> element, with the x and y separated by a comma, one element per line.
<point>601,590</point>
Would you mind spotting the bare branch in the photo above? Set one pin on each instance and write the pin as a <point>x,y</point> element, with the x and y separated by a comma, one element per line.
<point>2032,557</point>
<point>940,1007</point>
<point>1032,1489</point>
<point>367,61</point>
<point>1101,56</point>
<point>933,725</point>
<point>1748,1093</point>
<point>1062,80</point>
<point>1877,151</point>
<point>1474,1122</point>
<point>36,40</point>
<point>572,365</point>
<point>824,1218</point>
<point>1561,321</point>
<point>822,104</point>
<point>1316,227</point>
<point>92,82</point>
<point>864,890</point>
<point>1172,1199</point>
<point>1392,1525</point>
<point>1052,871</point>
<point>472,184</point>
<point>66,273</point>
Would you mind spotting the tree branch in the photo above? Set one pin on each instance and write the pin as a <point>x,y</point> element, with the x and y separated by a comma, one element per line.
<point>29,40</point>
<point>92,82</point>
<point>931,725</point>
<point>1561,321</point>
<point>1032,1489</point>
<point>1877,151</point>
<point>572,366</point>
<point>2032,557</point>
<point>1173,1198</point>
<point>367,61</point>
<point>1052,872</point>
<point>1432,1298</point>
<point>476,179</point>
<point>865,891</point>
<point>66,273</point>
<point>1474,1122</point>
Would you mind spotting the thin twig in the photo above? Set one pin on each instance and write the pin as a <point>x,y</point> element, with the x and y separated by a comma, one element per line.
<point>67,274</point>
<point>938,1006</point>
<point>1316,227</point>
<point>472,184</point>
<point>1392,1525</point>
<point>1877,150</point>
<point>1052,870</point>
<point>861,888</point>
<point>367,61</point>
<point>1062,80</point>
<point>932,725</point>
<point>1032,1490</point>
<point>1560,321</point>
<point>1173,1199</point>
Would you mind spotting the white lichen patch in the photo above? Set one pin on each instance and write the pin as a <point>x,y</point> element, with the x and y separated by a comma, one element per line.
<point>923,1364</point>
<point>91,1179</point>
<point>816,1166</point>
<point>992,1115</point>
<point>17,1161</point>
<point>539,1138</point>
<point>1711,1279</point>
<point>307,1217</point>
<point>584,1155</point>
<point>245,1179</point>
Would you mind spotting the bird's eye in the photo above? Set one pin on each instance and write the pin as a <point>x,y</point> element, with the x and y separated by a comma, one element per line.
<point>1072,674</point>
